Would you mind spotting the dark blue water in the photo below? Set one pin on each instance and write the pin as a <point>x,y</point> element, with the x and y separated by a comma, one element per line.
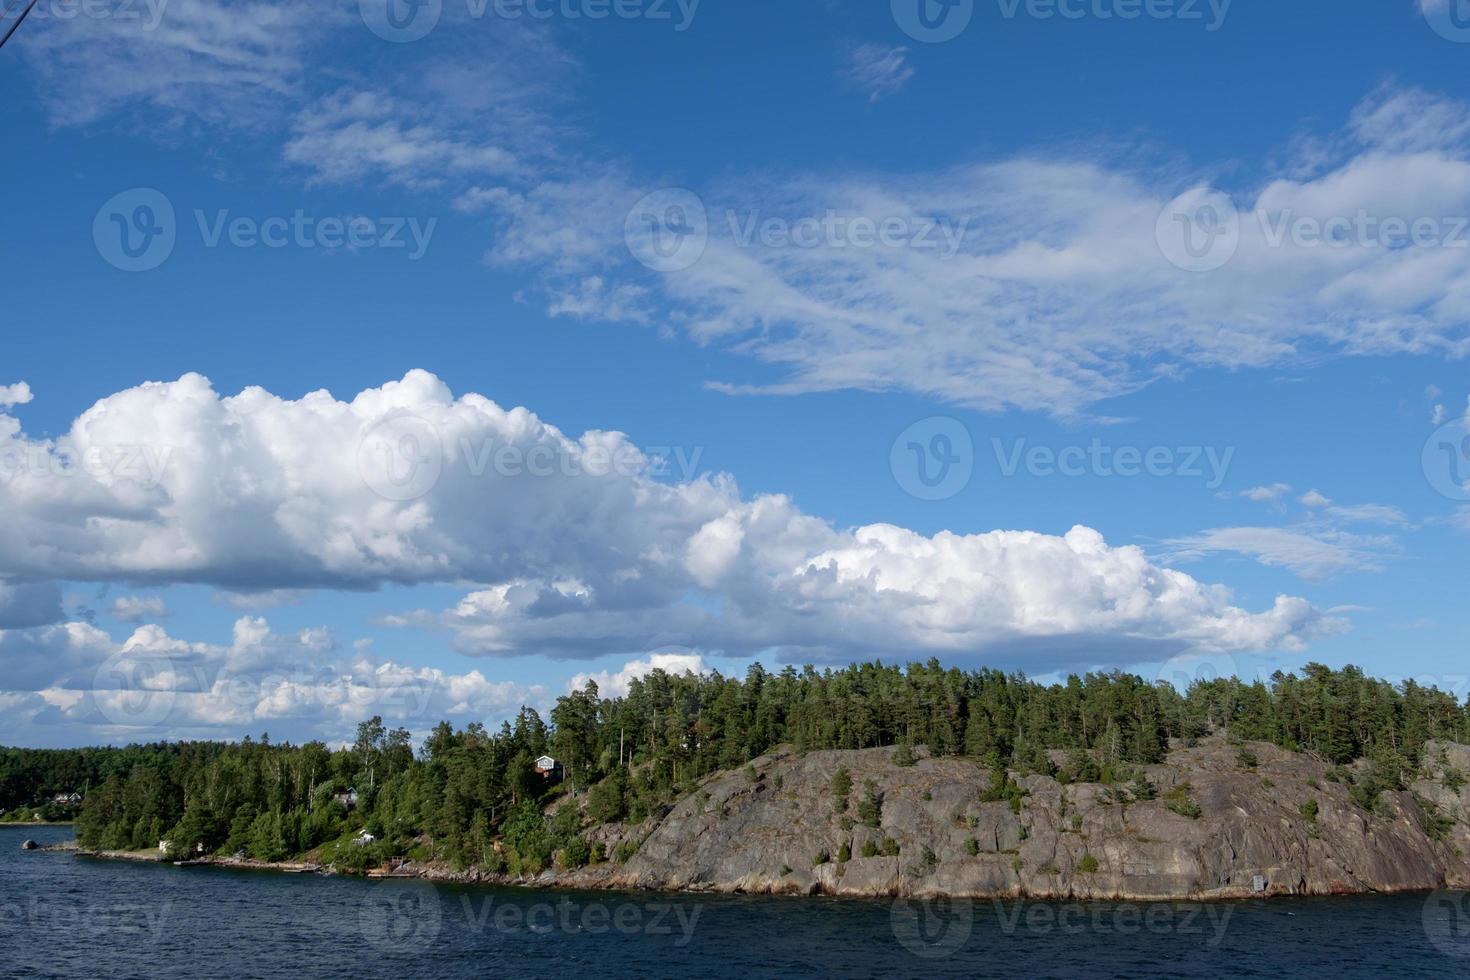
<point>65,916</point>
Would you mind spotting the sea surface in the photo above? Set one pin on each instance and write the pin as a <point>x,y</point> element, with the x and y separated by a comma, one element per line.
<point>67,916</point>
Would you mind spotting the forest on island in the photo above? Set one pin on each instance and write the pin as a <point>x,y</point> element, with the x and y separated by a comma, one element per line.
<point>472,796</point>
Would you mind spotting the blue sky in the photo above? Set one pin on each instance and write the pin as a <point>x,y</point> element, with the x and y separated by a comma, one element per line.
<point>1027,297</point>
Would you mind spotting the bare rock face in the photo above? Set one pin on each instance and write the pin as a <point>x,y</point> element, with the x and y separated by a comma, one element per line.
<point>1216,830</point>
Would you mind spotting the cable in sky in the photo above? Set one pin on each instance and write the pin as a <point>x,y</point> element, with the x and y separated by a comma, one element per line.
<point>16,24</point>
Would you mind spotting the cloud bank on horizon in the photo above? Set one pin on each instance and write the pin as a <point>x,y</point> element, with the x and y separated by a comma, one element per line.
<point>567,548</point>
<point>576,547</point>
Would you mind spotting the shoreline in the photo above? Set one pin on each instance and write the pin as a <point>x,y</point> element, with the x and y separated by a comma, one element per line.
<point>595,879</point>
<point>37,823</point>
<point>1207,831</point>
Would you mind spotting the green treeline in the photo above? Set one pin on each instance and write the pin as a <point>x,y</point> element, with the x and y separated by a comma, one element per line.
<point>474,797</point>
<point>30,777</point>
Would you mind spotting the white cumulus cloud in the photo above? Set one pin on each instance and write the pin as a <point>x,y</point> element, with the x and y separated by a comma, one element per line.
<point>136,608</point>
<point>614,684</point>
<point>572,546</point>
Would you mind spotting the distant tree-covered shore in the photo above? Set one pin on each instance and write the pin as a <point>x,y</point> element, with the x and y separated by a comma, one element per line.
<point>473,796</point>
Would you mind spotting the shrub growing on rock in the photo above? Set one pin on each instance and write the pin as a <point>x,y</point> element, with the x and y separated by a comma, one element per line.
<point>841,788</point>
<point>1003,787</point>
<point>1436,823</point>
<point>870,808</point>
<point>607,802</point>
<point>1081,767</point>
<point>1366,791</point>
<point>1181,800</point>
<point>574,855</point>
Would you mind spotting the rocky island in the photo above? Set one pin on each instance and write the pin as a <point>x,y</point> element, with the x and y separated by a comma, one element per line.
<point>1221,821</point>
<point>1105,787</point>
<point>1214,829</point>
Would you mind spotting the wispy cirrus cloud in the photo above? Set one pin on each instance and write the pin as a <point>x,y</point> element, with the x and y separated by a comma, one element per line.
<point>1270,493</point>
<point>226,63</point>
<point>877,71</point>
<point>353,135</point>
<point>1317,545</point>
<point>1041,281</point>
<point>1311,552</point>
<point>1065,288</point>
